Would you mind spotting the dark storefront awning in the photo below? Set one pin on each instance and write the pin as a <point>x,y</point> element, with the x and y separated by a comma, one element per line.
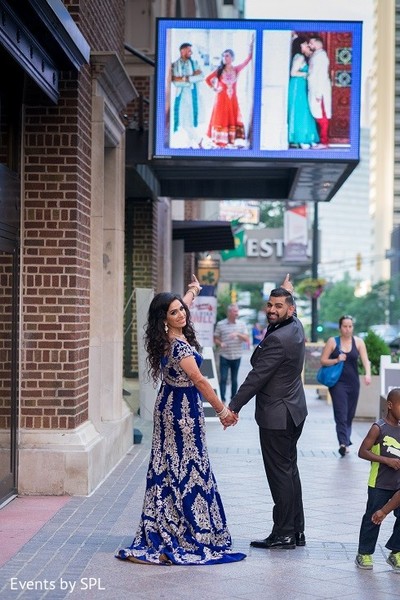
<point>203,236</point>
<point>42,37</point>
<point>292,180</point>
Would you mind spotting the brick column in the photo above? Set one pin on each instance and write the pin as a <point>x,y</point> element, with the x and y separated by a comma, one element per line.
<point>55,249</point>
<point>55,282</point>
<point>141,228</point>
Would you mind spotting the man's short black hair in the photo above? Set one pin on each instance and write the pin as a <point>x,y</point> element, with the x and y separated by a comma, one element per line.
<point>279,292</point>
<point>185,45</point>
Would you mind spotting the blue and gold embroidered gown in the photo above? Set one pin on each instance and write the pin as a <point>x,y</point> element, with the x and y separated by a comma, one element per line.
<point>183,521</point>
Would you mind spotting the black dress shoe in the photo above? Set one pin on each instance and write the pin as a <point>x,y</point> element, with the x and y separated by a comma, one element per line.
<point>300,539</point>
<point>259,543</point>
<point>263,543</point>
<point>284,542</point>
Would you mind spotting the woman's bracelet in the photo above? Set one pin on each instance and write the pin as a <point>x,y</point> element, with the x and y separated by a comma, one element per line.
<point>193,294</point>
<point>223,413</point>
<point>194,290</point>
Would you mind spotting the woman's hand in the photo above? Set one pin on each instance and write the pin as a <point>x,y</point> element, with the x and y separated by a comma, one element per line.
<point>193,291</point>
<point>194,286</point>
<point>230,419</point>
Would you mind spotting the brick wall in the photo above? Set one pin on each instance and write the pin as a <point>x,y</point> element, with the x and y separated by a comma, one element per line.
<point>192,213</point>
<point>142,264</point>
<point>102,23</point>
<point>138,110</point>
<point>192,210</point>
<point>56,260</point>
<point>6,300</point>
<point>55,237</point>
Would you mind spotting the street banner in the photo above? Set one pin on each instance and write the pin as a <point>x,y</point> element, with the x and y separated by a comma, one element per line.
<point>295,233</point>
<point>203,313</point>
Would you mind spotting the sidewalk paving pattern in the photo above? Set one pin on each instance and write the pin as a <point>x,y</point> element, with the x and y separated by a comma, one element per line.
<point>72,554</point>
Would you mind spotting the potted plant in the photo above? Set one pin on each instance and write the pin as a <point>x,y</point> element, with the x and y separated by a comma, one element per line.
<point>311,288</point>
<point>368,401</point>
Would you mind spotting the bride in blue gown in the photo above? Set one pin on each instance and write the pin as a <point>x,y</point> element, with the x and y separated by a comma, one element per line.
<point>183,520</point>
<point>302,128</point>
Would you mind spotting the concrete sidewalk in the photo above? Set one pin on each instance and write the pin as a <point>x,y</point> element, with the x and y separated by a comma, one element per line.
<point>72,554</point>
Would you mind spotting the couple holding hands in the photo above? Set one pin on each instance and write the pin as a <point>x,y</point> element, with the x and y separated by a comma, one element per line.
<point>183,520</point>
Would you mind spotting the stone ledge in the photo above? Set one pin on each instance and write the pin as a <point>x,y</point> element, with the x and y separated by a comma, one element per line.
<point>72,462</point>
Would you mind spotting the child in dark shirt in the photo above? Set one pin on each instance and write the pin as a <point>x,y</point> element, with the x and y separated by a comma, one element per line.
<point>381,447</point>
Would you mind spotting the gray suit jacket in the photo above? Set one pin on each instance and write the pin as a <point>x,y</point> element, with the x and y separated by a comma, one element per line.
<point>275,379</point>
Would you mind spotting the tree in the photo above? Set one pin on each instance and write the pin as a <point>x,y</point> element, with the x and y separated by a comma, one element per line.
<point>376,347</point>
<point>372,309</point>
<point>257,301</point>
<point>337,300</point>
<point>272,213</point>
<point>223,301</point>
<point>394,300</point>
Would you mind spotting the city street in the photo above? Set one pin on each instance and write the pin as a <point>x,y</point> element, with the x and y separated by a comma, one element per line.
<point>72,555</point>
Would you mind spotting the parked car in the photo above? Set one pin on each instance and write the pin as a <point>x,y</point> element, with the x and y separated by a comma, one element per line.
<point>394,344</point>
<point>386,332</point>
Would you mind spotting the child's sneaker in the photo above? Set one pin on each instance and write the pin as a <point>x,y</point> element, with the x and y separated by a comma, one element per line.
<point>364,561</point>
<point>394,561</point>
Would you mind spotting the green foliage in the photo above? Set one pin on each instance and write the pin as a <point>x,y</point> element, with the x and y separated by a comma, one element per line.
<point>223,301</point>
<point>272,213</point>
<point>257,301</point>
<point>311,288</point>
<point>224,298</point>
<point>376,347</point>
<point>394,299</point>
<point>373,306</point>
<point>339,299</point>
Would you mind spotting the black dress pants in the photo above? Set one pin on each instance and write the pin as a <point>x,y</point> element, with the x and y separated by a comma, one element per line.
<point>279,451</point>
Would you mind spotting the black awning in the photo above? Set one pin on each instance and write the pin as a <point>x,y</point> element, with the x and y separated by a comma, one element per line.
<point>312,180</point>
<point>42,37</point>
<point>204,236</point>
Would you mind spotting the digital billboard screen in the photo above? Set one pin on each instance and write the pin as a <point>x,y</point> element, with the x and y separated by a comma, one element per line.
<point>256,89</point>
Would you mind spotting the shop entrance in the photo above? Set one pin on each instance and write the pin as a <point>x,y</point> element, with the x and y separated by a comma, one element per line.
<point>8,367</point>
<point>9,260</point>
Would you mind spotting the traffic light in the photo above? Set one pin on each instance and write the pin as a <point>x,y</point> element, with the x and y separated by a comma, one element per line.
<point>358,261</point>
<point>233,296</point>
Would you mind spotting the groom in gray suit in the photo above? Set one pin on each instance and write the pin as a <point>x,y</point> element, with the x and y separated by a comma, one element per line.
<point>275,381</point>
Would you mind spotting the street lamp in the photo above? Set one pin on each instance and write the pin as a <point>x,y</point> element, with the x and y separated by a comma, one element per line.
<point>314,270</point>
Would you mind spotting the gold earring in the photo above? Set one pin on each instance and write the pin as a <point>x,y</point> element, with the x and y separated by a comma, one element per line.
<point>166,328</point>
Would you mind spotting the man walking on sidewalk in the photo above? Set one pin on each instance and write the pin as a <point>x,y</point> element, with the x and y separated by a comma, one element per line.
<point>275,381</point>
<point>230,336</point>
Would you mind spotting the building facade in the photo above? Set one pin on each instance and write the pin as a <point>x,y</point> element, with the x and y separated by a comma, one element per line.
<point>64,424</point>
<point>382,109</point>
<point>82,228</point>
<point>69,222</point>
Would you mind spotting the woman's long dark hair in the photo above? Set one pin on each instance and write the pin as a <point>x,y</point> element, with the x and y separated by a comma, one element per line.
<point>156,339</point>
<point>222,65</point>
<point>296,45</point>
